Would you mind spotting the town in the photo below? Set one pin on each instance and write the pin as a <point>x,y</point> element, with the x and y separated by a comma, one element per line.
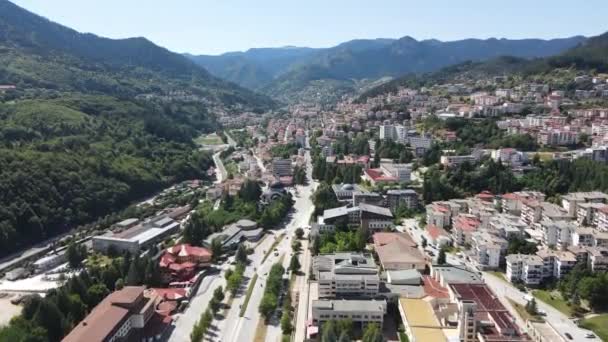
<point>376,190</point>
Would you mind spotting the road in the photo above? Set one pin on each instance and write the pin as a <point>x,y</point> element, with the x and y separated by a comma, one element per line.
<point>186,320</point>
<point>558,320</point>
<point>302,287</point>
<point>231,141</point>
<point>219,166</point>
<point>234,328</point>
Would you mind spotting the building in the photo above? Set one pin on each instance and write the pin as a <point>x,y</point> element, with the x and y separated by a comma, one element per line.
<point>346,275</point>
<point>137,237</point>
<point>281,167</point>
<point>453,161</point>
<point>407,198</point>
<point>361,312</point>
<point>180,262</point>
<point>397,251</point>
<point>437,237</point>
<point>527,269</point>
<point>556,264</point>
<point>344,192</point>
<point>389,173</point>
<point>368,216</point>
<point>557,233</point>
<point>372,198</point>
<point>597,259</point>
<point>50,261</point>
<point>463,227</point>
<point>488,249</point>
<point>122,316</point>
<point>478,306</point>
<point>235,233</point>
<point>420,322</point>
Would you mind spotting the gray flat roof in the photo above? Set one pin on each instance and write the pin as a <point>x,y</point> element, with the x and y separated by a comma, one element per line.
<point>351,305</point>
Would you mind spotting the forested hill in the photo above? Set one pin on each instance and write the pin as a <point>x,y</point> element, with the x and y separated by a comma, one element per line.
<point>36,52</point>
<point>77,143</point>
<point>591,54</point>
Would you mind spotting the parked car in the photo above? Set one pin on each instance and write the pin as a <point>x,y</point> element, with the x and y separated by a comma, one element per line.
<point>568,336</point>
<point>590,335</point>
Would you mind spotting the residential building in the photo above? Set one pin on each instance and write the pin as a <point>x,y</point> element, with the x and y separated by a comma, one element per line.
<point>488,250</point>
<point>401,172</point>
<point>282,167</point>
<point>453,161</point>
<point>437,237</point>
<point>524,268</point>
<point>556,264</point>
<point>597,259</point>
<point>401,198</point>
<point>557,233</point>
<point>463,227</point>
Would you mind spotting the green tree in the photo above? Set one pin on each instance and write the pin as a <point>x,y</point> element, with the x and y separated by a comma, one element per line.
<point>372,333</point>
<point>51,319</point>
<point>286,325</point>
<point>441,258</point>
<point>299,233</point>
<point>329,331</point>
<point>217,248</point>
<point>218,294</point>
<point>531,307</point>
<point>241,254</point>
<point>76,253</point>
<point>294,263</point>
<point>96,293</point>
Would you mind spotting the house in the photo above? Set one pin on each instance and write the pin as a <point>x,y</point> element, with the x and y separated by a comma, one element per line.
<point>397,251</point>
<point>556,264</point>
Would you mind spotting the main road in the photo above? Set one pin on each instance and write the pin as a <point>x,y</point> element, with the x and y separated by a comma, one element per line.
<point>234,328</point>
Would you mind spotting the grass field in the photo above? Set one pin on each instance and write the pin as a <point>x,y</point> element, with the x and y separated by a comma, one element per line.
<point>598,324</point>
<point>209,139</point>
<point>554,299</point>
<point>248,295</point>
<point>521,311</point>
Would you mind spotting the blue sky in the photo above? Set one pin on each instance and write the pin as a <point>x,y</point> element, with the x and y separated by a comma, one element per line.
<point>217,26</point>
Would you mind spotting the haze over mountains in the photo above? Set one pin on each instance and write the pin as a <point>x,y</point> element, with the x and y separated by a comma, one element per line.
<point>281,71</point>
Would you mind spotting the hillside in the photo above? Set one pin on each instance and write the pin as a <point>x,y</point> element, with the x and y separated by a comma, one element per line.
<point>591,54</point>
<point>77,143</point>
<point>341,67</point>
<point>37,53</point>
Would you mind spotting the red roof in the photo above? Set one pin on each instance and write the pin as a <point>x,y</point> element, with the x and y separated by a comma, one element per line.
<point>378,176</point>
<point>433,288</point>
<point>510,196</point>
<point>466,223</point>
<point>169,293</point>
<point>185,250</point>
<point>182,266</point>
<point>435,231</point>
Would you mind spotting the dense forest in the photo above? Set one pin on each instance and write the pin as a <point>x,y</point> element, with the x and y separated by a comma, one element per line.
<point>69,160</point>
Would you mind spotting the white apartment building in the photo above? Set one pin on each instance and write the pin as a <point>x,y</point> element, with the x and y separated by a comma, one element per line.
<point>557,233</point>
<point>402,172</point>
<point>556,264</point>
<point>597,258</point>
<point>452,161</point>
<point>525,268</point>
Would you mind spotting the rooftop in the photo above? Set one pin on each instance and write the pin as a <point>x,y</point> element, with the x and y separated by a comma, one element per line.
<point>421,320</point>
<point>350,305</point>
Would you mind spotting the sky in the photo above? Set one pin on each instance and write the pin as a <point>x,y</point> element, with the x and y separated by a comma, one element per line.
<point>218,26</point>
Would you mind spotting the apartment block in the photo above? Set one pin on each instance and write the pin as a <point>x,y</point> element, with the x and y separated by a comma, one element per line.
<point>359,311</point>
<point>525,268</point>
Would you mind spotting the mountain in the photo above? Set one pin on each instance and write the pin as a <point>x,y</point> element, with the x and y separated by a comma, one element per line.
<point>253,68</point>
<point>94,124</point>
<point>357,60</point>
<point>36,52</point>
<point>589,54</point>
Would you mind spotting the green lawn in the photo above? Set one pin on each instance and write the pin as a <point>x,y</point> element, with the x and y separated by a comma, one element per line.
<point>554,299</point>
<point>598,324</point>
<point>521,311</point>
<point>499,275</point>
<point>248,295</point>
<point>209,139</point>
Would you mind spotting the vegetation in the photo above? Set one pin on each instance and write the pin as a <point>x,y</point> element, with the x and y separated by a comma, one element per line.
<point>274,284</point>
<point>235,279</point>
<point>324,198</point>
<point>61,309</point>
<point>340,330</point>
<point>342,241</point>
<point>248,295</point>
<point>598,324</point>
<point>554,299</point>
<point>518,244</point>
<point>284,151</point>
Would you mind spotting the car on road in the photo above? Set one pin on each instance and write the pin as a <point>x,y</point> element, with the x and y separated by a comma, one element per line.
<point>568,336</point>
<point>590,335</point>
